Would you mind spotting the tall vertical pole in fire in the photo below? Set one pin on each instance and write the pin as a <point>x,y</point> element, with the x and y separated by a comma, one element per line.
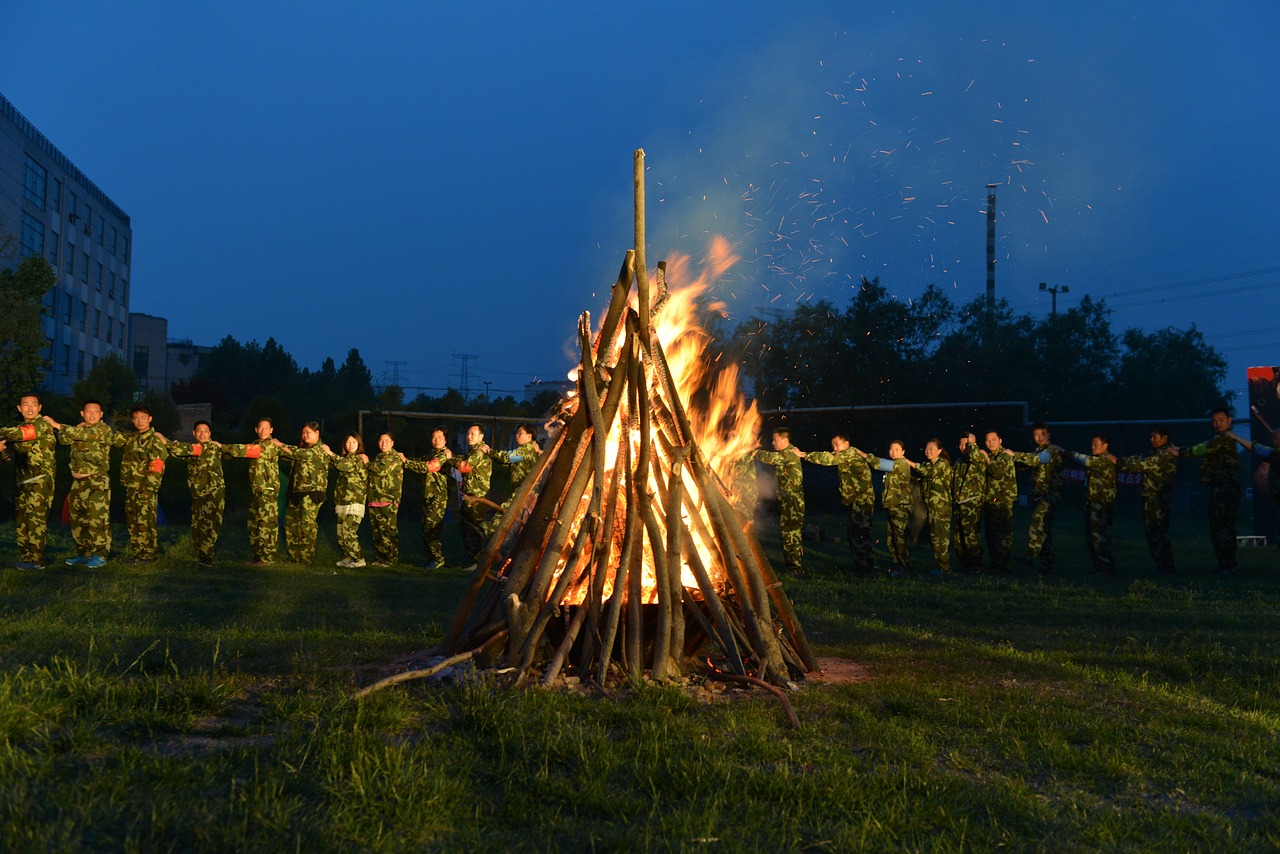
<point>991,245</point>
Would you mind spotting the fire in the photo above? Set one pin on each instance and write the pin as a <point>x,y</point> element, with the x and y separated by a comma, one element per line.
<point>722,423</point>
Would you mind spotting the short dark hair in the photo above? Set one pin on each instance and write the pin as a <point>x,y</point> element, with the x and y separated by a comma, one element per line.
<point>843,437</point>
<point>1102,437</point>
<point>783,432</point>
<point>1039,425</point>
<point>389,435</point>
<point>27,394</point>
<point>198,423</point>
<point>266,419</point>
<point>85,403</point>
<point>1217,409</point>
<point>528,428</point>
<point>139,407</point>
<point>1160,430</point>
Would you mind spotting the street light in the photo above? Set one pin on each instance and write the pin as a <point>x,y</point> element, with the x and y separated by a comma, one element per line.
<point>1054,291</point>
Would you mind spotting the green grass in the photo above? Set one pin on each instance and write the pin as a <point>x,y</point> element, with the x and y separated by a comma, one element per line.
<point>168,708</point>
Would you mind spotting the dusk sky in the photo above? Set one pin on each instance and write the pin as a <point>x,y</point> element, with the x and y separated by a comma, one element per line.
<point>418,180</point>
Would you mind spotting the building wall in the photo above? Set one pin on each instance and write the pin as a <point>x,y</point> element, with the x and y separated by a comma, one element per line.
<point>56,211</point>
<point>148,350</point>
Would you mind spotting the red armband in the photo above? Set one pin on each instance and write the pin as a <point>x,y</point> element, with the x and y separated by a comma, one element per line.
<point>197,450</point>
<point>252,452</point>
<point>464,467</point>
<point>27,431</point>
<point>156,465</point>
<point>433,466</point>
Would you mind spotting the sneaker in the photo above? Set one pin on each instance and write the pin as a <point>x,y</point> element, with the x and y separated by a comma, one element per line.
<point>472,568</point>
<point>95,562</point>
<point>436,565</point>
<point>357,563</point>
<point>344,562</point>
<point>26,564</point>
<point>76,561</point>
<point>381,564</point>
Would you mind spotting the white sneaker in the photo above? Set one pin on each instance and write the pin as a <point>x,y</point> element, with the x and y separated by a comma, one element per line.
<point>344,562</point>
<point>356,564</point>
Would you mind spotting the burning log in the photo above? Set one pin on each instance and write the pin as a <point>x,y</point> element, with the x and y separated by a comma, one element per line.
<point>621,548</point>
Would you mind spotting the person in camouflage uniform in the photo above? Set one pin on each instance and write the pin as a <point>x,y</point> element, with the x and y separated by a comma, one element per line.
<point>141,470</point>
<point>89,500</point>
<point>896,498</point>
<point>1046,492</point>
<point>32,445</point>
<point>520,461</point>
<point>856,492</point>
<point>745,493</point>
<point>476,469</point>
<point>935,478</point>
<point>1158,470</point>
<point>1000,496</point>
<point>350,491</point>
<point>208,488</point>
<point>968,488</point>
<point>308,488</point>
<point>264,488</point>
<point>1100,500</point>
<point>785,460</point>
<point>1221,472</point>
<point>386,483</point>
<point>435,496</point>
<point>1271,456</point>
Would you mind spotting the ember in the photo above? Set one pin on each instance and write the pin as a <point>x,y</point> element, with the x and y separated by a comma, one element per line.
<point>625,528</point>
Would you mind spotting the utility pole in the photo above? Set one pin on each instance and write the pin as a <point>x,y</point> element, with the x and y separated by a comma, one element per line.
<point>464,373</point>
<point>991,245</point>
<point>1053,292</point>
<point>487,383</point>
<point>395,370</point>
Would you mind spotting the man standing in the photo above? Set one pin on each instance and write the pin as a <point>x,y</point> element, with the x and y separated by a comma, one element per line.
<point>785,460</point>
<point>385,486</point>
<point>1220,471</point>
<point>476,469</point>
<point>896,498</point>
<point>208,489</point>
<point>1000,496</point>
<point>856,492</point>
<point>1158,469</point>
<point>308,488</point>
<point>968,488</point>
<point>1046,492</point>
<point>435,496</point>
<point>32,445</point>
<point>522,459</point>
<point>141,470</point>
<point>264,487</point>
<point>89,501</point>
<point>1100,500</point>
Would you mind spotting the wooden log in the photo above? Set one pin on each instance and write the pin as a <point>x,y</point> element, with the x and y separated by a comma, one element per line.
<point>562,651</point>
<point>424,673</point>
<point>786,611</point>
<point>605,343</point>
<point>620,577</point>
<point>666,595</point>
<point>642,272</point>
<point>604,553</point>
<point>639,482</point>
<point>675,530</point>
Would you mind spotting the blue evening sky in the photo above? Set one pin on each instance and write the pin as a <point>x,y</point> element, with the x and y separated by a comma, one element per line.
<point>419,179</point>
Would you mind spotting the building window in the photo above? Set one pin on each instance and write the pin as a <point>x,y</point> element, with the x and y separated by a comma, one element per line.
<point>125,253</point>
<point>111,321</point>
<point>98,280</point>
<point>111,285</point>
<point>66,359</point>
<point>115,237</point>
<point>84,269</point>
<point>124,292</point>
<point>84,315</point>
<point>32,236</point>
<point>73,204</point>
<point>120,337</point>
<point>53,252</point>
<point>56,202</point>
<point>71,261</point>
<point>102,230</point>
<point>97,323</point>
<point>141,357</point>
<point>66,310</point>
<point>88,218</point>
<point>35,184</point>
<point>80,366</point>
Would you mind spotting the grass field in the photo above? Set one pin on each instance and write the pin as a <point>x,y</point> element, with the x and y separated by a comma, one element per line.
<point>164,707</point>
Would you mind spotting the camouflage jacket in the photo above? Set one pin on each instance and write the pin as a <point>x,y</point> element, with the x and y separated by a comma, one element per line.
<point>786,466</point>
<point>935,486</point>
<point>522,460</point>
<point>1221,466</point>
<point>32,443</point>
<point>264,465</point>
<point>142,463</point>
<point>477,470</point>
<point>1002,480</point>
<point>1157,468</point>
<point>90,448</point>
<point>969,478</point>
<point>1101,473</point>
<point>204,471</point>
<point>856,489</point>
<point>897,480</point>
<point>386,478</point>
<point>1047,480</point>
<point>435,485</point>
<point>1272,456</point>
<point>351,484</point>
<point>743,483</point>
<point>310,472</point>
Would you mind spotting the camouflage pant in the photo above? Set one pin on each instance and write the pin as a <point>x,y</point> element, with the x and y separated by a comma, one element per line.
<point>300,526</point>
<point>1097,530</point>
<point>141,506</point>
<point>1040,533</point>
<point>940,539</point>
<point>34,501</point>
<point>966,525</point>
<point>899,519</point>
<point>90,505</point>
<point>791,530</point>
<point>471,519</point>
<point>386,534</point>
<point>206,524</point>
<point>1156,511</point>
<point>998,519</point>
<point>433,526</point>
<point>860,540</point>
<point>349,536</point>
<point>264,526</point>
<point>1224,504</point>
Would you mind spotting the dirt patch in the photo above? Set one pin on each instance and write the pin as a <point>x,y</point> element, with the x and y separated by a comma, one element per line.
<point>839,671</point>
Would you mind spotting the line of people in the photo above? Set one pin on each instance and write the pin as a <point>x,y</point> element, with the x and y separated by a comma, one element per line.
<point>970,498</point>
<point>363,485</point>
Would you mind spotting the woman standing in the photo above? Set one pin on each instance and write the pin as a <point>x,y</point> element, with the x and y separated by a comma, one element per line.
<point>349,490</point>
<point>308,487</point>
<point>935,476</point>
